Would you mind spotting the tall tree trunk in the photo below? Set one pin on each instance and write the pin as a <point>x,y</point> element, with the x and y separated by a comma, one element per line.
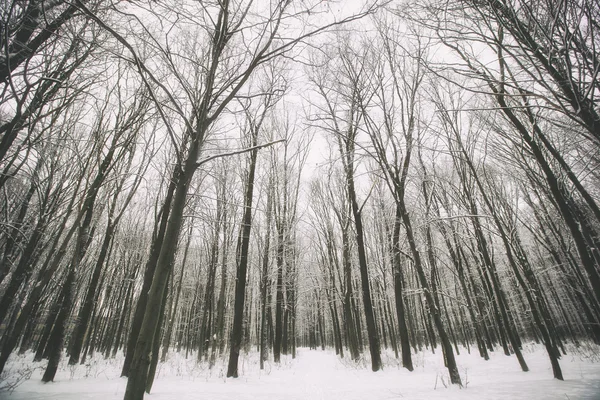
<point>158,238</point>
<point>398,291</point>
<point>264,280</point>
<point>48,325</point>
<point>219,341</point>
<point>140,362</point>
<point>205,326</point>
<point>82,320</point>
<point>241,275</point>
<point>434,311</point>
<point>57,337</point>
<point>373,337</point>
<point>350,325</point>
<point>174,308</point>
<point>126,311</point>
<point>279,287</point>
<point>156,344</point>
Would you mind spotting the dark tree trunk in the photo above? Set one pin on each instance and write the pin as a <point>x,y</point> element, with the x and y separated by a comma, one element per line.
<point>264,281</point>
<point>57,337</point>
<point>457,261</point>
<point>207,314</point>
<point>279,297</point>
<point>156,342</point>
<point>434,311</point>
<point>241,275</point>
<point>398,291</point>
<point>138,370</point>
<point>175,305</point>
<point>82,321</point>
<point>219,342</point>
<point>125,311</point>
<point>351,333</point>
<point>158,238</point>
<point>335,317</point>
<point>373,337</point>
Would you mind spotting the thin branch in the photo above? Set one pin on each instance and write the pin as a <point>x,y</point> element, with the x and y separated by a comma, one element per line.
<point>236,152</point>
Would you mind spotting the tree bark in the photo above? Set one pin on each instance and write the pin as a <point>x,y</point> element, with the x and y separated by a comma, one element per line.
<point>264,280</point>
<point>149,271</point>
<point>241,275</point>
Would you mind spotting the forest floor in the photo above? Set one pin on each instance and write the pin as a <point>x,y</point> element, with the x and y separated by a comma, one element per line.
<point>316,374</point>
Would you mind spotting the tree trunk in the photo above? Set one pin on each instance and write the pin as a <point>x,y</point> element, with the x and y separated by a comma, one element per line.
<point>373,337</point>
<point>398,290</point>
<point>219,341</point>
<point>434,311</point>
<point>149,271</point>
<point>264,281</point>
<point>140,362</point>
<point>57,337</point>
<point>156,342</point>
<point>241,275</point>
<point>279,297</point>
<point>82,321</point>
<point>174,308</point>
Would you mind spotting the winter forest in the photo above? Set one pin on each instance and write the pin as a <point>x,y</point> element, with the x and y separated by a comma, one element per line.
<point>310,196</point>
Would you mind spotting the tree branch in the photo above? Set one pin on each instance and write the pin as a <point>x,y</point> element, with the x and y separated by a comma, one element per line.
<point>236,152</point>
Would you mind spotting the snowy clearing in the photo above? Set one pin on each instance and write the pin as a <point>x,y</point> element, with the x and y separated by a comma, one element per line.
<point>321,375</point>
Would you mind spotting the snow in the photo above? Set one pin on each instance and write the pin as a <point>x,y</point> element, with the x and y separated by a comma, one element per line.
<point>317,374</point>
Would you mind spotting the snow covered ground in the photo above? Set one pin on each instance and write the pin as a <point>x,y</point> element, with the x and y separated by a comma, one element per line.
<point>321,375</point>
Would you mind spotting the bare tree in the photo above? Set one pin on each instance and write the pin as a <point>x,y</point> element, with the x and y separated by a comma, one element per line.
<point>346,93</point>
